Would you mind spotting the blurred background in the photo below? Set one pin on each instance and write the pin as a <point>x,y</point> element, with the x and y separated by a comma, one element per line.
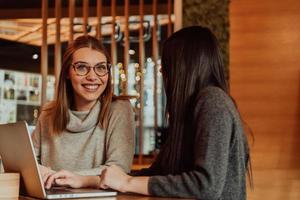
<point>260,42</point>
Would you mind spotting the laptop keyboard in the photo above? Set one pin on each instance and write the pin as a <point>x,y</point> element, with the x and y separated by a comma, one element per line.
<point>59,191</point>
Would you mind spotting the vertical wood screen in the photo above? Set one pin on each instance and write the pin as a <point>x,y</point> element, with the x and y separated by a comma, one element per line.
<point>93,20</point>
<point>155,59</point>
<point>113,41</point>
<point>141,70</point>
<point>71,19</point>
<point>169,17</point>
<point>99,19</point>
<point>57,53</point>
<point>126,48</point>
<point>44,51</point>
<point>85,16</point>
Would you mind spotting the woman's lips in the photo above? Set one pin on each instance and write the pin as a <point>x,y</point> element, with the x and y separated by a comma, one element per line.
<point>91,87</point>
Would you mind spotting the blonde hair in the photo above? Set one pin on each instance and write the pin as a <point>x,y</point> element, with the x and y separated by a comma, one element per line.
<point>58,110</point>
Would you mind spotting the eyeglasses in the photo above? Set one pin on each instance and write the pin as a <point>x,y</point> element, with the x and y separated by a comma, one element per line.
<point>82,68</point>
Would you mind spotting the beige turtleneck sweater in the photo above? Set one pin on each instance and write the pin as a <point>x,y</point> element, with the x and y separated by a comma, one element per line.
<point>84,147</point>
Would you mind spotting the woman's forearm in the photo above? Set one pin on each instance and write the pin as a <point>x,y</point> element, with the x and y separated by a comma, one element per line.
<point>91,181</point>
<point>114,177</point>
<point>137,185</point>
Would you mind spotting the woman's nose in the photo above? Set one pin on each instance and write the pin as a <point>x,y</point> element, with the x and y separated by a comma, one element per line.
<point>92,75</point>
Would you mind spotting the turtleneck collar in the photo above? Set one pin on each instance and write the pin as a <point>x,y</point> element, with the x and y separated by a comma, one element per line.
<point>81,121</point>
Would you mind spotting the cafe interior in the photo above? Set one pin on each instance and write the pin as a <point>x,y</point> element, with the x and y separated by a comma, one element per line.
<point>260,45</point>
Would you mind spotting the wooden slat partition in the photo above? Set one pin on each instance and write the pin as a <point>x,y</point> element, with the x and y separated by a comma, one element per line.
<point>71,18</point>
<point>141,67</point>
<point>44,52</point>
<point>99,19</point>
<point>265,81</point>
<point>155,59</point>
<point>126,48</point>
<point>85,16</point>
<point>113,41</point>
<point>113,13</point>
<point>29,13</point>
<point>57,53</point>
<point>169,17</point>
<point>178,14</point>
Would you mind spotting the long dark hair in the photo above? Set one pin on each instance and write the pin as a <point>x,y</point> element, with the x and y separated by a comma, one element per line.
<point>191,61</point>
<point>58,110</point>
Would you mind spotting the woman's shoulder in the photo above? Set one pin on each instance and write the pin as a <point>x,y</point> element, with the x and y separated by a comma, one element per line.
<point>120,105</point>
<point>213,94</point>
<point>216,98</point>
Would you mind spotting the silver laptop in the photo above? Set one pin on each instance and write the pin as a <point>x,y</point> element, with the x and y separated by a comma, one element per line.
<point>18,155</point>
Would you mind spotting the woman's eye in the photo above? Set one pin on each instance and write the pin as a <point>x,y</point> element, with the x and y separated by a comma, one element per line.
<point>81,67</point>
<point>100,68</point>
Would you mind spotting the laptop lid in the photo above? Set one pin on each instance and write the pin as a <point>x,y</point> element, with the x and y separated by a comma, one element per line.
<point>18,155</point>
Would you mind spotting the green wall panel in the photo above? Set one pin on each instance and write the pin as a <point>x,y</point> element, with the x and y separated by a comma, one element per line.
<point>213,14</point>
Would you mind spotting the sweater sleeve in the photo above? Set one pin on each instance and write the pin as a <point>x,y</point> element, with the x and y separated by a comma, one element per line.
<point>120,136</point>
<point>36,140</point>
<point>211,149</point>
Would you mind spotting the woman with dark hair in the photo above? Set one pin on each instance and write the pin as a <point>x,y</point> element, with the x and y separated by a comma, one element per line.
<point>85,128</point>
<point>206,153</point>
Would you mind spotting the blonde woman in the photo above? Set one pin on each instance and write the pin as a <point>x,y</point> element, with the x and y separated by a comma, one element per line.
<point>86,127</point>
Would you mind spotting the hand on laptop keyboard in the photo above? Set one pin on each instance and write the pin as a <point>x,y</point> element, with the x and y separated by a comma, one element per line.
<point>45,173</point>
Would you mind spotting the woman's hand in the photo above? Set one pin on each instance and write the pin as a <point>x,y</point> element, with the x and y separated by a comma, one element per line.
<point>66,178</point>
<point>115,178</point>
<point>46,172</point>
<point>70,179</point>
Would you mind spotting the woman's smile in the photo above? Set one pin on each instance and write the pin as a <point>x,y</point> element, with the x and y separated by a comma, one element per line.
<point>91,87</point>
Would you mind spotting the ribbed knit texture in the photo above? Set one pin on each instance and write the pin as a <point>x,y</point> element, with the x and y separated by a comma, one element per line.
<point>220,149</point>
<point>84,147</point>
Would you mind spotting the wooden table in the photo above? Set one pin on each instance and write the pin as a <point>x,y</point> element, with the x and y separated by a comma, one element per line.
<point>118,197</point>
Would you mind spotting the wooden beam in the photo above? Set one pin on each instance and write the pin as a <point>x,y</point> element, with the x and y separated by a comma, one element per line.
<point>141,67</point>
<point>126,49</point>
<point>178,14</point>
<point>99,19</point>
<point>71,13</point>
<point>113,42</point>
<point>155,59</point>
<point>169,17</point>
<point>57,54</point>
<point>85,16</point>
<point>44,52</point>
<point>36,12</point>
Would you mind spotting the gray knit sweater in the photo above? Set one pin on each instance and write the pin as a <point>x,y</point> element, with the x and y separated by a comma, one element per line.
<point>220,150</point>
<point>84,147</point>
